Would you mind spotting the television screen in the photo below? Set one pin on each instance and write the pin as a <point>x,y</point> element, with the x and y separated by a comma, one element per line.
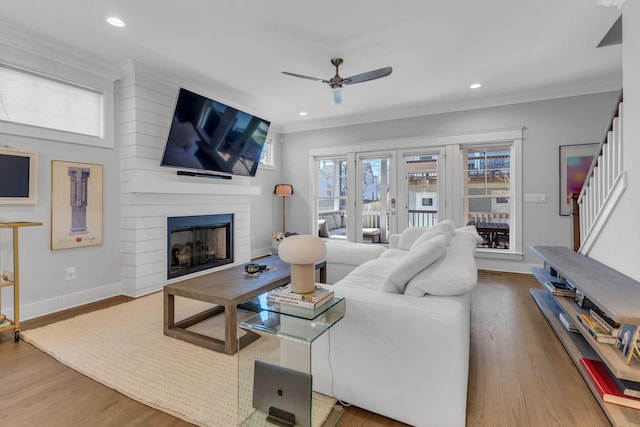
<point>18,176</point>
<point>208,135</point>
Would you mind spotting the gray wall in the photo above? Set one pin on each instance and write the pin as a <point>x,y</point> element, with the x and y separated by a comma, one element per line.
<point>43,286</point>
<point>548,124</point>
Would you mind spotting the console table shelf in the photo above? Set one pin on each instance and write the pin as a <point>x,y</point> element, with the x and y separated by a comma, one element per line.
<point>614,293</point>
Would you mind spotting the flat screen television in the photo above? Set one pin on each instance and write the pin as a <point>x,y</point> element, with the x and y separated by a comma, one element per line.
<point>207,135</point>
<point>18,176</point>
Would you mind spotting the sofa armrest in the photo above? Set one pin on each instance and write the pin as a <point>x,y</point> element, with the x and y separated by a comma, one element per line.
<point>393,241</point>
<point>391,345</point>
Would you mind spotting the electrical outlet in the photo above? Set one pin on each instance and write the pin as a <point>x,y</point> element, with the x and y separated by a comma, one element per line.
<point>71,273</point>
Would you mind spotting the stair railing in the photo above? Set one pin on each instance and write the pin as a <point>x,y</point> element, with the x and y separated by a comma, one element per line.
<point>605,183</point>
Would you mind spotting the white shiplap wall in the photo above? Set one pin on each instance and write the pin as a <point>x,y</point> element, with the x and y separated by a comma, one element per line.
<point>150,193</point>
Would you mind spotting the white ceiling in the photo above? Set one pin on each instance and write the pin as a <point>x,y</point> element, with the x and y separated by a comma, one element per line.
<point>518,49</point>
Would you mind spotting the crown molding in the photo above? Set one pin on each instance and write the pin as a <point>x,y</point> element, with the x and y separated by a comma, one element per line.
<point>26,43</point>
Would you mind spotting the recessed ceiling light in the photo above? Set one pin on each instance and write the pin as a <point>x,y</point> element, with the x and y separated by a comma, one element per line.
<point>115,21</point>
<point>302,113</point>
<point>475,86</point>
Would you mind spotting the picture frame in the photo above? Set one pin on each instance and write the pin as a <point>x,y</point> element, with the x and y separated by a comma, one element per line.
<point>627,341</point>
<point>575,162</point>
<point>76,204</point>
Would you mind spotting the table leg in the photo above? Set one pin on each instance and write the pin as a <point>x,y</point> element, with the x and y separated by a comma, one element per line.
<point>230,328</point>
<point>169,311</point>
<point>323,274</point>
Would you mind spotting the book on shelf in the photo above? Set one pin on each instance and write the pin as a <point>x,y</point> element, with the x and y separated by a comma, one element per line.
<point>561,289</point>
<point>313,300</point>
<point>596,330</point>
<point>605,321</point>
<point>582,301</point>
<point>627,387</point>
<point>605,385</point>
<point>565,319</point>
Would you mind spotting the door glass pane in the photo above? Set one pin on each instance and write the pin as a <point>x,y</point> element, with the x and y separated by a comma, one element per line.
<point>332,198</point>
<point>375,200</point>
<point>422,188</point>
<point>487,195</point>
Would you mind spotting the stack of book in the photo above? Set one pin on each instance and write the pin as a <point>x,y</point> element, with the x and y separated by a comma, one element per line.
<point>560,288</point>
<point>311,300</point>
<point>612,328</point>
<point>596,330</point>
<point>610,388</point>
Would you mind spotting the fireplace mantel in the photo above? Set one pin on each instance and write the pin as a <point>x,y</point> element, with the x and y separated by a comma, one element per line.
<point>163,184</point>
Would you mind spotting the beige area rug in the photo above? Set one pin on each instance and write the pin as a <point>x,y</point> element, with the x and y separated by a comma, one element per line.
<point>124,348</point>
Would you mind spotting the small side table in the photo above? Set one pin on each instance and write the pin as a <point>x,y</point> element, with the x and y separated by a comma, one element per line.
<point>286,335</point>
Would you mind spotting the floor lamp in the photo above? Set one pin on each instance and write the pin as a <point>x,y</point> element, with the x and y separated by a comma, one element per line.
<point>283,190</point>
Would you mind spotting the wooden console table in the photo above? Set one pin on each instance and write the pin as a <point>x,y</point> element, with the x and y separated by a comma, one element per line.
<point>227,288</point>
<point>612,292</point>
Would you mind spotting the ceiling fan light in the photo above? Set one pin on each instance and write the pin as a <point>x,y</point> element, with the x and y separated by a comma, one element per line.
<point>337,95</point>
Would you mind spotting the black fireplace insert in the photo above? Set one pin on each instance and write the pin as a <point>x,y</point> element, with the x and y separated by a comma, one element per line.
<point>199,242</point>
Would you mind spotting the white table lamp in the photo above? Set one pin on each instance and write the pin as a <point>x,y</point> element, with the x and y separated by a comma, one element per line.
<point>302,252</point>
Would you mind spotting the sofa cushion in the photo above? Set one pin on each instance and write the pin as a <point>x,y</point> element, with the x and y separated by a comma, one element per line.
<point>411,234</point>
<point>323,228</point>
<point>338,220</point>
<point>472,230</point>
<point>430,234</point>
<point>368,275</point>
<point>453,274</point>
<point>416,260</point>
<point>331,223</point>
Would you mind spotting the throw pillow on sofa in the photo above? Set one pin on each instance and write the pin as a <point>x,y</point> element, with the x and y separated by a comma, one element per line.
<point>453,274</point>
<point>416,260</point>
<point>410,235</point>
<point>430,234</point>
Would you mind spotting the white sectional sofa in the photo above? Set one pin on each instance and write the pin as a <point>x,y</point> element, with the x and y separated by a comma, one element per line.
<point>402,349</point>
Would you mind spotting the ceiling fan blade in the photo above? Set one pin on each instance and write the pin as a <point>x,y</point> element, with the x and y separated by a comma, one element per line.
<point>302,77</point>
<point>369,75</point>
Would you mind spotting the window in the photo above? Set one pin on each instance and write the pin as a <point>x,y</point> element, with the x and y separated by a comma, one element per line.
<point>422,189</point>
<point>332,184</point>
<point>487,193</point>
<point>267,160</point>
<point>33,99</point>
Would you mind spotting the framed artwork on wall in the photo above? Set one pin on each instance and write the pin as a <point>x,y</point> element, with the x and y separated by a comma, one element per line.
<point>76,204</point>
<point>575,161</point>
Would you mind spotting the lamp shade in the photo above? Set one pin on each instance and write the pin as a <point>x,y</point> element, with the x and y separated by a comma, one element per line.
<point>283,190</point>
<point>302,252</point>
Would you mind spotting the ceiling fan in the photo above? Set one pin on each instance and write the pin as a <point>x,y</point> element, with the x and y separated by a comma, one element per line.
<point>336,82</point>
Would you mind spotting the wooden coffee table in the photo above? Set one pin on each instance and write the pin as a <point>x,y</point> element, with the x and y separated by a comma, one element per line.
<point>227,288</point>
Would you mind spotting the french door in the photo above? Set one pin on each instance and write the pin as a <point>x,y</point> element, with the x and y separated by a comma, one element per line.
<point>375,208</point>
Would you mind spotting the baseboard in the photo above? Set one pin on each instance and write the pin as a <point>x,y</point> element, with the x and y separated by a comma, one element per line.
<point>64,302</point>
<point>261,252</point>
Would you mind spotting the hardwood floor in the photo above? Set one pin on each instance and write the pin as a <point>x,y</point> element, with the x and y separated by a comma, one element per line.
<point>519,375</point>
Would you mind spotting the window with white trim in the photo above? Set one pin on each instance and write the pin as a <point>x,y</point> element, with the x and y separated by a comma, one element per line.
<point>487,193</point>
<point>33,99</point>
<point>267,159</point>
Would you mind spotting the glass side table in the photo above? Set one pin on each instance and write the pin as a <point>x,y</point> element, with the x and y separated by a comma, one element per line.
<point>286,334</point>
